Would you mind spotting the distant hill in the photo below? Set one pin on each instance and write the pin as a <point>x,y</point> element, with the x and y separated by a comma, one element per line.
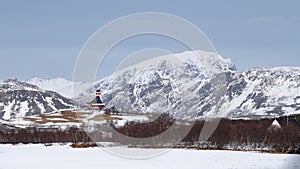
<point>20,99</point>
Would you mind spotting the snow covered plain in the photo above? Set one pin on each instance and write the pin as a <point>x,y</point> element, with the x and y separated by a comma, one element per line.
<point>63,157</point>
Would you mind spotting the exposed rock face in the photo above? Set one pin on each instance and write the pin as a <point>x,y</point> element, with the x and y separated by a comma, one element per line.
<point>20,99</point>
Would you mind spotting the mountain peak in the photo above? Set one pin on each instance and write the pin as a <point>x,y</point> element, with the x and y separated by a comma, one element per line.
<point>14,84</point>
<point>188,63</point>
<point>60,85</point>
<point>210,60</point>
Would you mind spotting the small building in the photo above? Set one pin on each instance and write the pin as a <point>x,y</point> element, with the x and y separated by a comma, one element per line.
<point>275,125</point>
<point>97,102</point>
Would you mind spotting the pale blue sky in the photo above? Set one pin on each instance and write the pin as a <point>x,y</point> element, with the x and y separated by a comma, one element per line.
<point>43,38</point>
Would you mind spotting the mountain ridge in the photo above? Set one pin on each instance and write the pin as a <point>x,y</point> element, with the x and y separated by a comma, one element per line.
<point>20,99</point>
<point>254,93</point>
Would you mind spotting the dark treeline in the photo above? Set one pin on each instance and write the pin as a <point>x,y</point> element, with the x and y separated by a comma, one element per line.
<point>51,135</point>
<point>254,134</point>
<point>146,129</point>
<point>229,134</point>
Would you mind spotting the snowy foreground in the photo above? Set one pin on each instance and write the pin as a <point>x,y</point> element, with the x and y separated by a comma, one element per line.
<point>64,157</point>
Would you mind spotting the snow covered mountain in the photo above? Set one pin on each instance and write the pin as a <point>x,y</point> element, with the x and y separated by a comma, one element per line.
<point>185,84</point>
<point>263,92</point>
<point>20,99</point>
<point>59,85</point>
<point>205,85</point>
<point>169,83</point>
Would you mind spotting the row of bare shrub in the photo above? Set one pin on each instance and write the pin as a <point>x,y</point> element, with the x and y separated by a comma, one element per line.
<point>35,135</point>
<point>231,133</point>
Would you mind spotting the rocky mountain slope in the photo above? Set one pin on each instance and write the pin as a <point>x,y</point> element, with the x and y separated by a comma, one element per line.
<point>263,92</point>
<point>202,85</point>
<point>194,84</point>
<point>20,99</point>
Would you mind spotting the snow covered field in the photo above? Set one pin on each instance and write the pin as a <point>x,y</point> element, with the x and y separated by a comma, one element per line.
<point>64,157</point>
